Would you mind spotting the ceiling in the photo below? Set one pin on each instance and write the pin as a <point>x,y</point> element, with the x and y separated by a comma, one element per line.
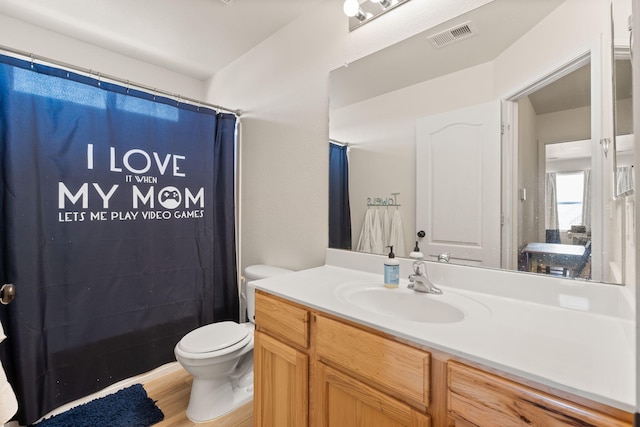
<point>574,89</point>
<point>566,93</point>
<point>192,37</point>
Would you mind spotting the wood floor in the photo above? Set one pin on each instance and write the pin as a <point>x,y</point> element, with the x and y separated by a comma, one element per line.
<point>171,393</point>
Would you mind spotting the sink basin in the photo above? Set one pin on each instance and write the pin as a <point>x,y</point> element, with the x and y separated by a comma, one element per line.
<point>406,304</point>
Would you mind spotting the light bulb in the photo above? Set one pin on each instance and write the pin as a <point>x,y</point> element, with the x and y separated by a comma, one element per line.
<point>351,7</point>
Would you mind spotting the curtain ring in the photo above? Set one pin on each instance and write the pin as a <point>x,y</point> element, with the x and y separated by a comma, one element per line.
<point>32,61</point>
<point>99,82</point>
<point>128,86</point>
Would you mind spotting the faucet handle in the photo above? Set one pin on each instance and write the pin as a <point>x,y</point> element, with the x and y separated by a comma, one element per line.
<point>412,284</point>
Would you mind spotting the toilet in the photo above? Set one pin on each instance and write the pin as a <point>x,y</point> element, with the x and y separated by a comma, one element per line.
<point>220,358</point>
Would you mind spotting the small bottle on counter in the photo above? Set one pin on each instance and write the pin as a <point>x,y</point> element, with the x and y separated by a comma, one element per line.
<point>391,270</point>
<point>416,254</point>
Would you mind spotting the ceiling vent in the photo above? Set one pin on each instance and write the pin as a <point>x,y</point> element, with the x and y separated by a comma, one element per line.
<point>226,1</point>
<point>452,35</point>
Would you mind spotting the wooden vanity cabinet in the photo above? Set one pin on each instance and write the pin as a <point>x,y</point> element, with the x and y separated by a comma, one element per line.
<point>354,377</point>
<point>315,369</point>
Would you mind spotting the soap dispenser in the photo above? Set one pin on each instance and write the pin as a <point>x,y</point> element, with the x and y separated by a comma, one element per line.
<point>416,254</point>
<point>418,259</point>
<point>391,270</point>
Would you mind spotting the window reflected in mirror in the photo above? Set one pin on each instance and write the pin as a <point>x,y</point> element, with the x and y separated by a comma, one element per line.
<point>568,192</point>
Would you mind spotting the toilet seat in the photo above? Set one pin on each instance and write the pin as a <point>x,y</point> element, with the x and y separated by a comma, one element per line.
<point>215,339</point>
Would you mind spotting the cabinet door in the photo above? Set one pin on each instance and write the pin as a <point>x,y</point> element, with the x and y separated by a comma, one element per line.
<point>344,401</point>
<point>281,392</point>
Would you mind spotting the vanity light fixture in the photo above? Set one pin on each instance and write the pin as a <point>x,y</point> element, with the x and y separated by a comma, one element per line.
<point>362,11</point>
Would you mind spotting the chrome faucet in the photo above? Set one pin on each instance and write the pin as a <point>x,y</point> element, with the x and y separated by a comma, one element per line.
<point>420,280</point>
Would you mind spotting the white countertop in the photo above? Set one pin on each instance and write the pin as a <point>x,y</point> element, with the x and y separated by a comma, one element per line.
<point>585,353</point>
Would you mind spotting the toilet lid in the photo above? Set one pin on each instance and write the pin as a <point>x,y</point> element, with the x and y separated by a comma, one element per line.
<point>213,337</point>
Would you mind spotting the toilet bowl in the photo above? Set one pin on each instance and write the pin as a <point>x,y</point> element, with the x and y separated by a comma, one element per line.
<point>220,358</point>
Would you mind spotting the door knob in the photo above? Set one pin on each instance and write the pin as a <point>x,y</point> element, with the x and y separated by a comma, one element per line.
<point>7,293</point>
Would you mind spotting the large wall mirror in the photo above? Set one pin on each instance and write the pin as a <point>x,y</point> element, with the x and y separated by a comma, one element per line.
<point>491,137</point>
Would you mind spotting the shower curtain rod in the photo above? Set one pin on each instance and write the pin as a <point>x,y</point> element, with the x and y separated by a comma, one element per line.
<point>177,97</point>
<point>343,144</point>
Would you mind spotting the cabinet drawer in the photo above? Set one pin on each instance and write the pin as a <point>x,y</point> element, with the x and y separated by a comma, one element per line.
<point>282,319</point>
<point>392,367</point>
<point>481,399</point>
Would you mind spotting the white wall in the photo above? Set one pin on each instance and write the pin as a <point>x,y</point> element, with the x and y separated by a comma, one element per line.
<point>529,220</point>
<point>283,86</point>
<point>567,125</point>
<point>22,36</point>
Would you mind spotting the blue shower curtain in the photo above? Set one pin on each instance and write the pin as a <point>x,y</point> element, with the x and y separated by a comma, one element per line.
<point>118,230</point>
<point>339,209</point>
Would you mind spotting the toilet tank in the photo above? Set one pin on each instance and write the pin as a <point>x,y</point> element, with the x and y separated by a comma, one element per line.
<point>257,272</point>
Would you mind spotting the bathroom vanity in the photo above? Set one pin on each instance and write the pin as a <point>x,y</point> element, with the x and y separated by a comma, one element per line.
<point>325,356</point>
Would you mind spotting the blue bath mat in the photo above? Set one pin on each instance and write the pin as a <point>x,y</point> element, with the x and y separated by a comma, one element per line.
<point>129,407</point>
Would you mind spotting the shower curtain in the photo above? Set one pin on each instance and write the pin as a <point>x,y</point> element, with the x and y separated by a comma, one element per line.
<point>118,230</point>
<point>339,209</point>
